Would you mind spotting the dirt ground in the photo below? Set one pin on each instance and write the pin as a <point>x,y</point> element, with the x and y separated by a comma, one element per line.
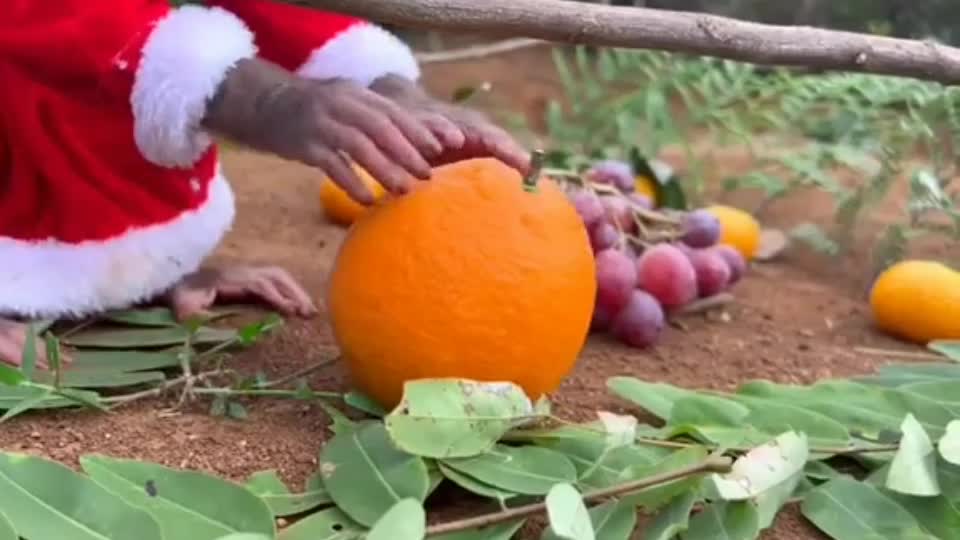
<point>794,320</point>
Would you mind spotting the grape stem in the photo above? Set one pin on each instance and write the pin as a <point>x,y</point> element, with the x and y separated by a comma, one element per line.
<point>536,169</point>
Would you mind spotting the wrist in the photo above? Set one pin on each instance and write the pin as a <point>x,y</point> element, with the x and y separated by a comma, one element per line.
<point>393,85</point>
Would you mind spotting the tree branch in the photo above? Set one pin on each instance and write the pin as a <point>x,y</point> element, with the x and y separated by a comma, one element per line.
<point>643,28</point>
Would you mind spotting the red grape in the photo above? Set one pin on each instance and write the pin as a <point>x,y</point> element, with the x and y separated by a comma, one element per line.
<point>700,229</point>
<point>640,322</point>
<point>614,172</point>
<point>668,275</point>
<point>734,260</point>
<point>589,207</point>
<point>603,236</point>
<point>616,277</point>
<point>618,211</point>
<point>713,272</point>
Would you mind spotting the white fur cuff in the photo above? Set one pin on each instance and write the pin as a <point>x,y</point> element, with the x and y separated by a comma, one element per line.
<point>184,61</point>
<point>362,53</point>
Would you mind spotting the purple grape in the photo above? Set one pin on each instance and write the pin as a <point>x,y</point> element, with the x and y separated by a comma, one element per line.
<point>618,212</point>
<point>640,322</point>
<point>616,277</point>
<point>668,275</point>
<point>603,236</point>
<point>734,260</point>
<point>601,318</point>
<point>589,207</point>
<point>713,272</point>
<point>616,173</point>
<point>641,200</point>
<point>700,229</point>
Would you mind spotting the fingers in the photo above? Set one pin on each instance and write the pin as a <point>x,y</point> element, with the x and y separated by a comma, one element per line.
<point>447,132</point>
<point>342,174</point>
<point>414,129</point>
<point>188,302</point>
<point>296,295</point>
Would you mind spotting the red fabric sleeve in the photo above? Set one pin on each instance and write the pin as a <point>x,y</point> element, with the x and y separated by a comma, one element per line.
<point>322,44</point>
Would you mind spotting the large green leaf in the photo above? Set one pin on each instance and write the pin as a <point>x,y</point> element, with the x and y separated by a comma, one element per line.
<point>730,520</point>
<point>475,486</point>
<point>125,360</point>
<point>653,498</point>
<point>502,531</point>
<point>187,504</point>
<point>269,487</point>
<point>655,398</point>
<point>847,509</point>
<point>6,529</point>
<point>406,520</point>
<point>366,475</point>
<point>567,515</point>
<point>450,418</point>
<point>133,338</point>
<point>613,520</point>
<point>913,470</point>
<point>673,519</point>
<point>329,524</point>
<point>528,470</point>
<point>44,499</point>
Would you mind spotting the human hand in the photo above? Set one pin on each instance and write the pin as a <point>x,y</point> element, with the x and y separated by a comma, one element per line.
<point>325,124</point>
<point>464,133</point>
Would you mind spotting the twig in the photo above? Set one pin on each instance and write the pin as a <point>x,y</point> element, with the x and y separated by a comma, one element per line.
<point>703,305</point>
<point>478,51</point>
<point>893,353</point>
<point>159,390</point>
<point>717,464</point>
<point>683,32</point>
<point>301,373</point>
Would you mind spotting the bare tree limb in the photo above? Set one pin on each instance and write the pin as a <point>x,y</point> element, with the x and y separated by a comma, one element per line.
<point>566,21</point>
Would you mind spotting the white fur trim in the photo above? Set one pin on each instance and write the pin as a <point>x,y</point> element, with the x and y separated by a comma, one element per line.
<point>362,53</point>
<point>185,58</point>
<point>52,279</point>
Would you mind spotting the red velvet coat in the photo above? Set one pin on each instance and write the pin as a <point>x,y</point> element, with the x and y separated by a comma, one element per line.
<point>109,189</point>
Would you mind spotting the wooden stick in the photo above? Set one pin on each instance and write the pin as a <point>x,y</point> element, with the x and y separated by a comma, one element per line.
<point>566,21</point>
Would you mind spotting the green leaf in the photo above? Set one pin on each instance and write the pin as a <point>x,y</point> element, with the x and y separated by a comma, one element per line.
<point>365,474</point>
<point>157,316</point>
<point>774,417</point>
<point>567,514</point>
<point>913,470</point>
<point>28,403</point>
<point>815,237</point>
<point>268,486</point>
<point>528,470</point>
<point>44,499</point>
<point>450,418</point>
<point>764,467</point>
<point>502,531</point>
<point>949,444</point>
<point>364,404</point>
<point>187,504</point>
<point>613,520</point>
<point>11,396</point>
<point>847,509</point>
<point>236,411</point>
<point>341,423</point>
<point>406,520</point>
<point>123,361</point>
<point>947,347</point>
<point>10,375</point>
<point>86,378</point>
<point>475,486</point>
<point>672,519</point>
<point>6,529</point>
<point>938,515</point>
<point>329,524</point>
<point>245,536</point>
<point>655,398</point>
<point>133,338</point>
<point>28,359</point>
<point>730,520</point>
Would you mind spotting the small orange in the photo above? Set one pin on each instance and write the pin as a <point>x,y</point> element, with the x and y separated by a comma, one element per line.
<point>917,300</point>
<point>645,186</point>
<point>338,206</point>
<point>466,276</point>
<point>738,229</point>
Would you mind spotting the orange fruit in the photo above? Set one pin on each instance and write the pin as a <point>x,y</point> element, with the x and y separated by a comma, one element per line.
<point>466,276</point>
<point>338,206</point>
<point>917,300</point>
<point>738,229</point>
<point>645,186</point>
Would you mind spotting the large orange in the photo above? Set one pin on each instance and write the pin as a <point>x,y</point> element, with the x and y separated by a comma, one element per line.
<point>917,300</point>
<point>466,276</point>
<point>338,206</point>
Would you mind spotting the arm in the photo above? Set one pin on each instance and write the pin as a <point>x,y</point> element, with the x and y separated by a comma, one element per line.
<point>165,62</point>
<point>322,45</point>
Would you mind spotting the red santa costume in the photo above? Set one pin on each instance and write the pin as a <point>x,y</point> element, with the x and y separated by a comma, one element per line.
<point>110,192</point>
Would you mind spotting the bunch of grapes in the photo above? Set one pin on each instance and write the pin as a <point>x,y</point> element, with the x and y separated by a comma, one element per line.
<point>649,262</point>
